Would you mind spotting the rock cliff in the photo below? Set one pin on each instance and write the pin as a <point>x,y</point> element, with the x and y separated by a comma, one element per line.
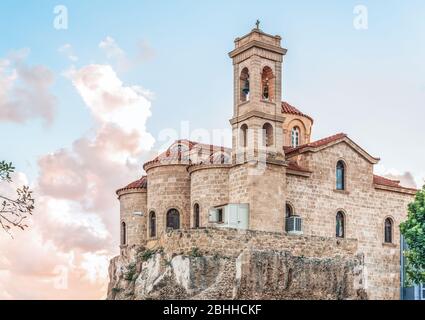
<point>141,273</point>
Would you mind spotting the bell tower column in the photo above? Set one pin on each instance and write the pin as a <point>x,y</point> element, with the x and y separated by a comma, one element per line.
<point>257,62</point>
<point>258,176</point>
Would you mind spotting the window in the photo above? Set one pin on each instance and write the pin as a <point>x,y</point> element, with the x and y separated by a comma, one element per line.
<point>267,80</point>
<point>123,234</point>
<point>295,137</point>
<point>220,157</point>
<point>173,219</point>
<point>289,212</point>
<point>340,225</point>
<point>244,136</point>
<point>220,216</point>
<point>388,230</point>
<point>152,224</point>
<point>267,135</point>
<point>196,222</point>
<point>340,175</point>
<point>244,85</point>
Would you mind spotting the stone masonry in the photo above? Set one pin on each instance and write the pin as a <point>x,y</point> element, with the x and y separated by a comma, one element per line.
<point>267,171</point>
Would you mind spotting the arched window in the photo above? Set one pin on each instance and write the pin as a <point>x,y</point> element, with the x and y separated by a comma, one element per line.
<point>267,80</point>
<point>173,219</point>
<point>289,212</point>
<point>220,157</point>
<point>123,233</point>
<point>388,230</point>
<point>267,135</point>
<point>340,225</point>
<point>295,137</point>
<point>244,136</point>
<point>196,220</point>
<point>340,175</point>
<point>244,85</point>
<point>152,224</point>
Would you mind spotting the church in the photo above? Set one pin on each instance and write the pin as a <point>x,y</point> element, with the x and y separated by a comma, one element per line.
<point>275,179</point>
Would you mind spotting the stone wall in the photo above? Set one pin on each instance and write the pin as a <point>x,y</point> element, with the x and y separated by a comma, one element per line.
<point>231,264</point>
<point>263,187</point>
<point>169,188</point>
<point>231,243</point>
<point>365,207</point>
<point>209,188</point>
<point>133,201</point>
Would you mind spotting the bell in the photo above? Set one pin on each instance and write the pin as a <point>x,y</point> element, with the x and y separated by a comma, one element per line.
<point>245,89</point>
<point>266,92</point>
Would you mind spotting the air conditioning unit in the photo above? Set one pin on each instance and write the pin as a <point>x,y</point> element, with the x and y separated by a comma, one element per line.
<point>294,225</point>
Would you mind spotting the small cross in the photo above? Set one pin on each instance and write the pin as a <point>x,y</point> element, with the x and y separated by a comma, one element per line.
<point>258,24</point>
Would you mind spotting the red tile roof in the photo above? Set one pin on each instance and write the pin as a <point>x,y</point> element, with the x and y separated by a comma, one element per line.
<point>170,155</point>
<point>288,109</point>
<point>386,182</point>
<point>382,181</point>
<point>317,144</point>
<point>142,183</point>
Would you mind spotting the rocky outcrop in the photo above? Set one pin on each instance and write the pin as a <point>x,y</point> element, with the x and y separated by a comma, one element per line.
<point>140,273</point>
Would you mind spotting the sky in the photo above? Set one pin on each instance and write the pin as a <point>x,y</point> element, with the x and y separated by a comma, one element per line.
<point>83,106</point>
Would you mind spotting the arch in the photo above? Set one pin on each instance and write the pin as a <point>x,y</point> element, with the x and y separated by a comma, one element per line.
<point>295,136</point>
<point>123,233</point>
<point>152,224</point>
<point>304,129</point>
<point>244,136</point>
<point>289,210</point>
<point>267,135</point>
<point>340,224</point>
<point>244,85</point>
<point>173,219</point>
<point>340,175</point>
<point>179,147</point>
<point>196,216</point>
<point>267,84</point>
<point>220,157</point>
<point>388,230</point>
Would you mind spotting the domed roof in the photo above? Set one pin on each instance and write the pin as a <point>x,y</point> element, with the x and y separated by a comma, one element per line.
<point>142,183</point>
<point>288,109</point>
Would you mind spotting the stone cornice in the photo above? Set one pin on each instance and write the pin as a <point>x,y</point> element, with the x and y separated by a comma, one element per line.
<point>154,164</point>
<point>122,192</point>
<point>257,44</point>
<point>298,173</point>
<point>403,190</point>
<point>198,167</point>
<point>257,114</point>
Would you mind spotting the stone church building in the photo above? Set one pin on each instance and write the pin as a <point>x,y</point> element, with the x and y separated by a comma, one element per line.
<point>274,179</point>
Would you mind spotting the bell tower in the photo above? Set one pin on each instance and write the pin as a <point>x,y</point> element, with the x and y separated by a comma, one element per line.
<point>258,175</point>
<point>257,122</point>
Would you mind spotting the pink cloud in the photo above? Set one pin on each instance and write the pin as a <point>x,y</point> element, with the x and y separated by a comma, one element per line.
<point>25,91</point>
<point>74,229</point>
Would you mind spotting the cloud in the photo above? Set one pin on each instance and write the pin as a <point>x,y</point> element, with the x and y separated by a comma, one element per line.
<point>144,53</point>
<point>68,52</point>
<point>114,52</point>
<point>75,228</point>
<point>25,90</point>
<point>407,179</point>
